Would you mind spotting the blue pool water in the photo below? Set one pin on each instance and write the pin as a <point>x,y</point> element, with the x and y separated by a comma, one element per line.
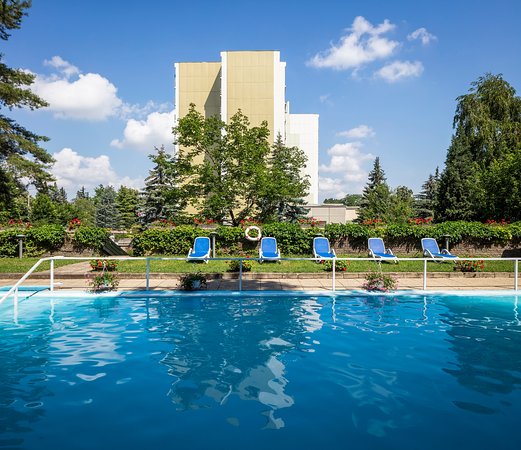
<point>261,372</point>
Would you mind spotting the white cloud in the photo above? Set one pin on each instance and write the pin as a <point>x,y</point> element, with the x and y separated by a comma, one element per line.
<point>359,132</point>
<point>423,35</point>
<point>398,70</point>
<point>90,96</point>
<point>363,44</point>
<point>73,170</point>
<point>63,66</point>
<point>144,135</point>
<point>345,171</point>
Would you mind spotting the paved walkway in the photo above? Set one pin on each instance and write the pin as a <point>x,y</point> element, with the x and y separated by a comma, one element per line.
<point>74,277</point>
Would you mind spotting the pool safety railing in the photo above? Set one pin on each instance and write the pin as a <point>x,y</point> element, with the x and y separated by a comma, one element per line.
<point>148,259</point>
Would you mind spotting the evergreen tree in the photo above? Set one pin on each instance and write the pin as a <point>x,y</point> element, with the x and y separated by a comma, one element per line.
<point>425,200</point>
<point>161,197</point>
<point>82,193</point>
<point>85,210</point>
<point>106,211</point>
<point>21,157</point>
<point>43,211</point>
<point>284,188</point>
<point>127,204</point>
<point>376,197</point>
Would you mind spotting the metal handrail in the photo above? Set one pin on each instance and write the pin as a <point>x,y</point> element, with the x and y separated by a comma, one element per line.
<point>14,288</point>
<point>148,259</point>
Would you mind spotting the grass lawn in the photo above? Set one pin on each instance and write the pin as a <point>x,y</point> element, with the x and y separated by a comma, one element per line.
<point>301,266</point>
<point>16,265</point>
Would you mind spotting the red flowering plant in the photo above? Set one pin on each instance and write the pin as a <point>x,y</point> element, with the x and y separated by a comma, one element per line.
<point>373,222</point>
<point>501,222</point>
<point>108,265</point>
<point>469,266</point>
<point>309,221</point>
<point>420,221</point>
<point>19,223</point>
<point>249,221</point>
<point>204,221</point>
<point>74,223</point>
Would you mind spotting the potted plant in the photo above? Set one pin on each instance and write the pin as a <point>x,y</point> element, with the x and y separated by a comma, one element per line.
<point>105,281</point>
<point>193,281</point>
<point>378,281</point>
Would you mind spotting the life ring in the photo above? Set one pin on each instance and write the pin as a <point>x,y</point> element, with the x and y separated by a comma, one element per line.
<point>252,238</point>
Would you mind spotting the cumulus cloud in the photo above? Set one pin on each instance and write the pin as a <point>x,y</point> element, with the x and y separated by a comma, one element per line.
<point>345,172</point>
<point>73,170</point>
<point>423,35</point>
<point>399,70</point>
<point>359,132</point>
<point>144,135</point>
<point>362,44</point>
<point>71,94</point>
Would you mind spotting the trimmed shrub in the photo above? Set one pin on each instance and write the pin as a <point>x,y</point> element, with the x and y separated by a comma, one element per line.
<point>90,237</point>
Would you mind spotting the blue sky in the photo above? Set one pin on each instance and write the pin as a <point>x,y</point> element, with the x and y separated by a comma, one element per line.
<point>384,76</point>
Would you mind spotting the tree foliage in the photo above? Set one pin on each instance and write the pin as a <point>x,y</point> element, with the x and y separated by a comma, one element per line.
<point>224,164</point>
<point>106,210</point>
<point>284,188</point>
<point>162,198</point>
<point>482,158</point>
<point>21,156</point>
<point>425,200</point>
<point>127,204</point>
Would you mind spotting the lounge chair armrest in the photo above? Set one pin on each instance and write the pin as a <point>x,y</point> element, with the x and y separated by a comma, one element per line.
<point>445,251</point>
<point>389,251</point>
<point>333,251</point>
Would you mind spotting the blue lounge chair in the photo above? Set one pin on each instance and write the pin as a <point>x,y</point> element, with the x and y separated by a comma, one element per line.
<point>431,250</point>
<point>201,250</point>
<point>321,248</point>
<point>268,249</point>
<point>378,251</point>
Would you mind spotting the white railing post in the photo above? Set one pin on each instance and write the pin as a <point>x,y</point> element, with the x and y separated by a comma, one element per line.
<point>240,275</point>
<point>516,274</point>
<point>51,276</point>
<point>425,274</point>
<point>147,276</point>
<point>334,276</point>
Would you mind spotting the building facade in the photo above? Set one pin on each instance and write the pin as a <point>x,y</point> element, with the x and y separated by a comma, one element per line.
<point>255,83</point>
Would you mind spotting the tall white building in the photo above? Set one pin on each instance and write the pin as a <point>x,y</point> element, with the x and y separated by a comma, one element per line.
<point>255,83</point>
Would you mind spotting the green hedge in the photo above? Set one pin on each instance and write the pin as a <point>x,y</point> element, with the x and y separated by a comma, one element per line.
<point>90,237</point>
<point>291,238</point>
<point>38,240</point>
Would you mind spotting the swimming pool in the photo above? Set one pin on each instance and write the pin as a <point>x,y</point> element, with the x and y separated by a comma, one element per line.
<point>276,371</point>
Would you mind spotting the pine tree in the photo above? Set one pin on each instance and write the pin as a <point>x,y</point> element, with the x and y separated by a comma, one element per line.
<point>161,197</point>
<point>21,157</point>
<point>425,199</point>
<point>376,197</point>
<point>82,193</point>
<point>106,211</point>
<point>127,203</point>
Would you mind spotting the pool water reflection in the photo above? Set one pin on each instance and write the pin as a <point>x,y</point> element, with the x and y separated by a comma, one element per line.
<point>261,371</point>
